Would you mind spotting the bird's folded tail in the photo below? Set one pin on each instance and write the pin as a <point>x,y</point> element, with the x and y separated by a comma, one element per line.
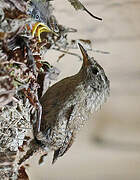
<point>33,149</point>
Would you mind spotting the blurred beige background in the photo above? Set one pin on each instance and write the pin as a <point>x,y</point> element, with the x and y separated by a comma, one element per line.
<point>108,148</point>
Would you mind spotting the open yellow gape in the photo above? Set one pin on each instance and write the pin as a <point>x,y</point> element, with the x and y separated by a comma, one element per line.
<point>39,27</point>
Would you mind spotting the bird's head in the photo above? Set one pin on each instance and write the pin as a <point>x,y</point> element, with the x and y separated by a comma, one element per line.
<point>94,73</point>
<point>37,9</point>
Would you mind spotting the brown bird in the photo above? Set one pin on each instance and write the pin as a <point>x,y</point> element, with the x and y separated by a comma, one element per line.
<point>66,107</point>
<point>67,104</point>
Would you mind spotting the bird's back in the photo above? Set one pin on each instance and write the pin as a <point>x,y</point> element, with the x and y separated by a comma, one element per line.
<point>55,99</point>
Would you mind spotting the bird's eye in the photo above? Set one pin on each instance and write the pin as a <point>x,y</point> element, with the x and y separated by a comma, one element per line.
<point>94,70</point>
<point>37,17</point>
<point>29,11</point>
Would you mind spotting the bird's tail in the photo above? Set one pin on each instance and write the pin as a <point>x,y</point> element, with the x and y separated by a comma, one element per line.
<point>33,149</point>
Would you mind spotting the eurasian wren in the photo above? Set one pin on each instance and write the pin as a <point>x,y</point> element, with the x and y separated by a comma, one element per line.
<point>66,107</point>
<point>67,104</point>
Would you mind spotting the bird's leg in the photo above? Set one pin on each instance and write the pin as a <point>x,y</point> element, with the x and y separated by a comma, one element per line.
<point>38,28</point>
<point>39,116</point>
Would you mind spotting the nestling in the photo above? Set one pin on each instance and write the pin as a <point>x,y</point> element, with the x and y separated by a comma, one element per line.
<point>67,104</point>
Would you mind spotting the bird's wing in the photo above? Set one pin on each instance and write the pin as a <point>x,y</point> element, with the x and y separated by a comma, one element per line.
<point>70,135</point>
<point>53,101</point>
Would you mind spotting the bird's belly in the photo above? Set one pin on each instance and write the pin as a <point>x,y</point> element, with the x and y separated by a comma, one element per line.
<point>56,138</point>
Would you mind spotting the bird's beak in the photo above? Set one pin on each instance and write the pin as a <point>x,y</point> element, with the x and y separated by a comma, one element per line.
<point>85,55</point>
